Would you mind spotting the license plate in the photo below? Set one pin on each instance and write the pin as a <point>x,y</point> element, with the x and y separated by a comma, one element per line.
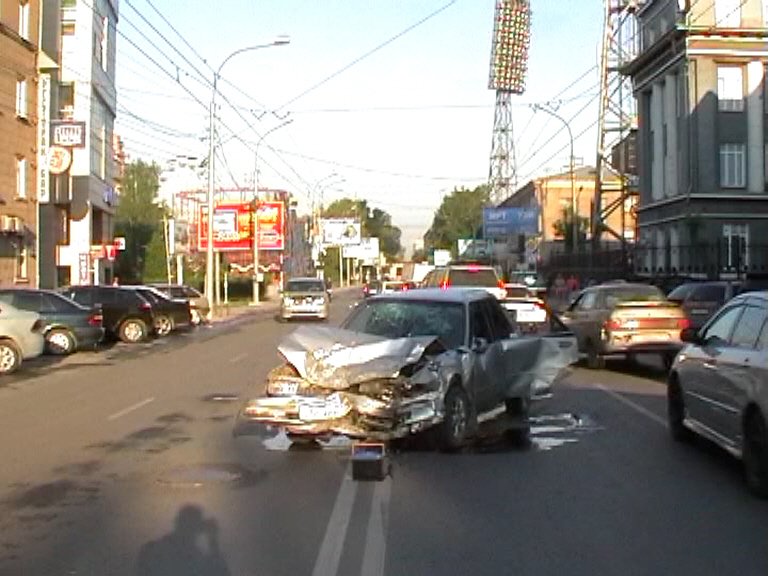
<point>534,315</point>
<point>329,409</point>
<point>655,337</point>
<point>283,388</point>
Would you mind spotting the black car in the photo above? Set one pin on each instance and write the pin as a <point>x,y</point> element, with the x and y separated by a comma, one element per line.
<point>170,314</point>
<point>701,300</point>
<point>68,325</point>
<point>127,315</point>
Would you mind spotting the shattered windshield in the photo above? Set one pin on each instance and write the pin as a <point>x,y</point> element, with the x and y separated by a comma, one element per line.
<point>400,318</point>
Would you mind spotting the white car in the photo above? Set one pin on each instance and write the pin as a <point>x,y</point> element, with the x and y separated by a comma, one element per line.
<point>21,337</point>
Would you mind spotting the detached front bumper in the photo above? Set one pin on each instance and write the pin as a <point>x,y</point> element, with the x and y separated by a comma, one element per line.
<point>345,413</point>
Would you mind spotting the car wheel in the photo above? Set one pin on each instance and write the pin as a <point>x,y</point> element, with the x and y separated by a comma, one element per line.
<point>755,454</point>
<point>163,325</point>
<point>133,330</point>
<point>594,360</point>
<point>10,357</point>
<point>676,412</point>
<point>60,342</point>
<point>517,406</point>
<point>455,426</point>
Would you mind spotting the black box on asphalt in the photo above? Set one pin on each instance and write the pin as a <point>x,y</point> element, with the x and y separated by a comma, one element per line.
<point>369,461</point>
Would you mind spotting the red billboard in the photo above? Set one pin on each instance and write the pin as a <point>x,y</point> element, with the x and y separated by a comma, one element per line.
<point>233,227</point>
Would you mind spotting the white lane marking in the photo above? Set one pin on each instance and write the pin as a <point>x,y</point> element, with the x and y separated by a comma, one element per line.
<point>239,357</point>
<point>130,409</point>
<point>329,556</point>
<point>375,552</point>
<point>634,405</point>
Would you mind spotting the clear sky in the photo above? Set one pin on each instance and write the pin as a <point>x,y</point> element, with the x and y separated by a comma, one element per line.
<point>399,126</point>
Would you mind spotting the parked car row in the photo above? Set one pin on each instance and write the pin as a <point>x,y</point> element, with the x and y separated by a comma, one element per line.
<point>76,318</point>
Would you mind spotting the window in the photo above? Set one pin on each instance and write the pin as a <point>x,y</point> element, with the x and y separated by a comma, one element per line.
<point>736,245</point>
<point>21,177</point>
<point>24,19</point>
<point>104,42</point>
<point>478,323</point>
<point>730,88</point>
<point>728,13</point>
<point>67,99</point>
<point>28,300</point>
<point>748,329</point>
<point>588,301</point>
<point>719,331</point>
<point>21,98</point>
<point>22,264</point>
<point>709,293</point>
<point>500,326</point>
<point>733,159</point>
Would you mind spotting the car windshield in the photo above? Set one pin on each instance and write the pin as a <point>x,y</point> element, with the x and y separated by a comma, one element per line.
<point>680,293</point>
<point>305,286</point>
<point>483,277</point>
<point>401,318</point>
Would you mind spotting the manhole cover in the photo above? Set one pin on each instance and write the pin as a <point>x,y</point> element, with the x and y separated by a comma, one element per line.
<point>202,475</point>
<point>220,397</point>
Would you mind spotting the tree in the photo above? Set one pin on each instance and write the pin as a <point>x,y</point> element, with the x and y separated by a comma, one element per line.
<point>138,218</point>
<point>459,216</point>
<point>563,228</point>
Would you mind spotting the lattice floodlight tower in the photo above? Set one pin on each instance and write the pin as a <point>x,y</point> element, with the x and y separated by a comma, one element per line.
<point>509,62</point>
<point>617,119</point>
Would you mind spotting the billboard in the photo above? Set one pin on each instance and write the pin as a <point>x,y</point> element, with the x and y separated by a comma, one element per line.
<point>500,222</point>
<point>474,247</point>
<point>233,227</point>
<point>340,231</point>
<point>367,251</point>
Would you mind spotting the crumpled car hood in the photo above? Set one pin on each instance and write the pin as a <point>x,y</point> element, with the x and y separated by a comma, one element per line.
<point>338,359</point>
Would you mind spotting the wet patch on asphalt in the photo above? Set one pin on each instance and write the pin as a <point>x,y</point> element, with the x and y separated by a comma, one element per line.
<point>201,475</point>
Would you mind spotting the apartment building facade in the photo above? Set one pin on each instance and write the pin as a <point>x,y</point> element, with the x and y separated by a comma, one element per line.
<point>699,80</point>
<point>19,39</point>
<point>84,199</point>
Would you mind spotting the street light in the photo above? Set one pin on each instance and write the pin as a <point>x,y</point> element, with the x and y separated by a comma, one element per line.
<point>256,297</point>
<point>209,254</point>
<point>574,207</point>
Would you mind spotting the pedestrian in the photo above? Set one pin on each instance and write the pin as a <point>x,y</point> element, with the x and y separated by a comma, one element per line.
<point>116,281</point>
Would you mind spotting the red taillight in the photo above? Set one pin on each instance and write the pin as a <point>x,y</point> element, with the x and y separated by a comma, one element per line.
<point>95,320</point>
<point>145,307</point>
<point>683,323</point>
<point>473,268</point>
<point>612,324</point>
<point>501,285</point>
<point>445,284</point>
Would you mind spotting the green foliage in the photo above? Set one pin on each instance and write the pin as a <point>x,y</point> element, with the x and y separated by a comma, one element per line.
<point>563,228</point>
<point>459,216</point>
<point>375,223</point>
<point>138,218</point>
<point>155,269</point>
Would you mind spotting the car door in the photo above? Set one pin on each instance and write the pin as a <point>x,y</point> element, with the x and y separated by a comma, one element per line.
<point>736,374</point>
<point>486,365</point>
<point>698,370</point>
<point>581,318</point>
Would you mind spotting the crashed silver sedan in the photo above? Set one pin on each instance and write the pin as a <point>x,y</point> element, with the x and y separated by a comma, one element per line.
<point>407,362</point>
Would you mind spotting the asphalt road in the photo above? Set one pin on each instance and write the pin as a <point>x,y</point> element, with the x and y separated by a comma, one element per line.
<point>124,463</point>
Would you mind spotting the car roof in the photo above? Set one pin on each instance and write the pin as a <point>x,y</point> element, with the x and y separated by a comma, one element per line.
<point>621,284</point>
<point>754,295</point>
<point>452,294</point>
<point>305,278</point>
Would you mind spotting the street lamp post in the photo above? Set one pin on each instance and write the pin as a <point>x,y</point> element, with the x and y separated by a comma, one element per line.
<point>209,253</point>
<point>256,297</point>
<point>574,206</point>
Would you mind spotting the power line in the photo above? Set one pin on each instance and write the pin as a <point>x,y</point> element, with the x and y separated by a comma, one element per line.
<point>367,54</point>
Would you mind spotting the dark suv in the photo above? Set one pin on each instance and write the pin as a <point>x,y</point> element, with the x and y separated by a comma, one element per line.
<point>700,300</point>
<point>126,314</point>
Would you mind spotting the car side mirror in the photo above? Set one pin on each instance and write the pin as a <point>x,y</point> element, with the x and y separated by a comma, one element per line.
<point>690,336</point>
<point>479,344</point>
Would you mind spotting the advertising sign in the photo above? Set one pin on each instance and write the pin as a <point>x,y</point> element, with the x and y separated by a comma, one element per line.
<point>367,251</point>
<point>474,248</point>
<point>59,160</point>
<point>83,268</point>
<point>43,128</point>
<point>233,227</point>
<point>340,231</point>
<point>499,222</point>
<point>442,257</point>
<point>68,133</point>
